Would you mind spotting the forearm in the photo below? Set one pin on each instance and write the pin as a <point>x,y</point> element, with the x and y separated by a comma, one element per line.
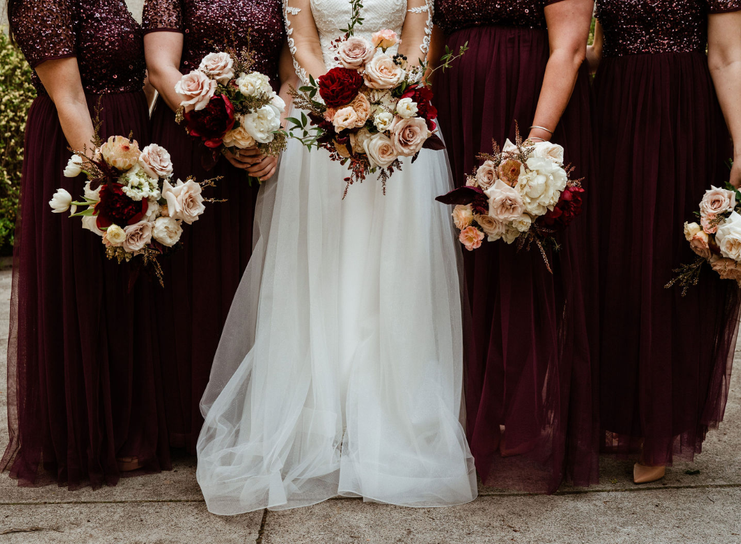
<point>727,80</point>
<point>164,79</point>
<point>414,42</point>
<point>560,77</point>
<point>74,117</point>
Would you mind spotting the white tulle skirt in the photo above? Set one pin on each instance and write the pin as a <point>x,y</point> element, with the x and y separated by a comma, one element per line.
<point>339,371</point>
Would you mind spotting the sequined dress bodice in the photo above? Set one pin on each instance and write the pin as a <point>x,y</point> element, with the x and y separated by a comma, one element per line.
<point>634,27</point>
<point>102,34</point>
<point>212,25</point>
<point>452,15</point>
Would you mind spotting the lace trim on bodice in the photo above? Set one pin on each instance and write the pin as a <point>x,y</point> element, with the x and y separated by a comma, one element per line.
<point>288,10</point>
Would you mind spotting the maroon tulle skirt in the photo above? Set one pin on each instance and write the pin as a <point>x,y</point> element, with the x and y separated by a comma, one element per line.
<point>529,375</point>
<point>665,359</point>
<point>201,279</point>
<point>83,377</point>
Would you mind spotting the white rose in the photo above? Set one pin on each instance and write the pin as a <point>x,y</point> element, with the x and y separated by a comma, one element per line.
<point>383,73</point>
<point>522,223</point>
<point>263,123</point>
<point>90,222</point>
<point>74,167</point>
<point>61,201</point>
<point>548,150</point>
<point>115,235</point>
<point>728,237</point>
<point>383,120</point>
<point>167,231</point>
<point>406,108</point>
<point>255,85</point>
<point>380,150</point>
<point>184,200</point>
<point>155,161</point>
<point>219,66</point>
<point>197,88</point>
<point>91,195</point>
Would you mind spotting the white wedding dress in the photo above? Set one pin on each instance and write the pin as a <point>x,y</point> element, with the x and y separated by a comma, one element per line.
<point>339,371</point>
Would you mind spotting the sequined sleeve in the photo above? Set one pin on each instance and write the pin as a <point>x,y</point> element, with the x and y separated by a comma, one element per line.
<point>162,16</point>
<point>549,2</point>
<point>44,29</point>
<point>724,6</point>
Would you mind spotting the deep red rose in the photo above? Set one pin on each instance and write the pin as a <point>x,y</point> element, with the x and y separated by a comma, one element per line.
<point>212,122</point>
<point>568,207</point>
<point>340,86</point>
<point>115,207</point>
<point>423,97</point>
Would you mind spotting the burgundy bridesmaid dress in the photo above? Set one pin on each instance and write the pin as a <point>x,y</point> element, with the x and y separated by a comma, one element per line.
<point>666,359</point>
<point>202,278</point>
<point>529,394</point>
<point>83,381</point>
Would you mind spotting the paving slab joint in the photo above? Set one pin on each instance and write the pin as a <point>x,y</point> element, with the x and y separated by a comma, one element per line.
<point>261,532</point>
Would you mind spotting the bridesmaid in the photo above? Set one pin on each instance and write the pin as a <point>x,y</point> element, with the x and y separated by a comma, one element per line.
<point>666,359</point>
<point>84,394</point>
<point>529,389</point>
<point>206,273</point>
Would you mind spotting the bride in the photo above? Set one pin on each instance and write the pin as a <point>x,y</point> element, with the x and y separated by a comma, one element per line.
<point>339,371</point>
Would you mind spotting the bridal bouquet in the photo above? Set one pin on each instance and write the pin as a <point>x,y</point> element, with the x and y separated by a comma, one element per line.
<point>716,239</point>
<point>520,194</point>
<point>375,106</point>
<point>228,105</point>
<point>131,201</point>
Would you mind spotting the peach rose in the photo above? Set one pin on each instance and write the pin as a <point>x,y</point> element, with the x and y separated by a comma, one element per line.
<point>380,150</point>
<point>509,172</point>
<point>462,216</point>
<point>197,88</point>
<point>155,161</point>
<point>383,73</point>
<point>120,152</point>
<point>239,138</point>
<point>409,135</point>
<point>717,201</point>
<point>727,269</point>
<point>700,245</point>
<point>492,228</point>
<point>362,108</point>
<point>486,175</point>
<point>184,200</point>
<point>137,236</point>
<point>219,66</point>
<point>355,52</point>
<point>505,204</point>
<point>471,238</point>
<point>385,38</point>
<point>345,118</point>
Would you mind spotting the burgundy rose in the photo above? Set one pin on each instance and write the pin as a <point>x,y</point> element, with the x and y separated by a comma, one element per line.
<point>340,86</point>
<point>568,207</point>
<point>115,207</point>
<point>212,122</point>
<point>423,98</point>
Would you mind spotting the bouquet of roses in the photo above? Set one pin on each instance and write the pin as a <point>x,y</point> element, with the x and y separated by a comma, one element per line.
<point>520,194</point>
<point>227,105</point>
<point>130,200</point>
<point>716,239</point>
<point>375,107</point>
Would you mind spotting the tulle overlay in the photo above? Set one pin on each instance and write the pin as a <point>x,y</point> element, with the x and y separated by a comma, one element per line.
<point>666,359</point>
<point>201,278</point>
<point>83,384</point>
<point>529,377</point>
<point>339,371</point>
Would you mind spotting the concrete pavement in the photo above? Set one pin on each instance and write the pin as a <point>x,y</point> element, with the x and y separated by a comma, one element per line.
<point>168,508</point>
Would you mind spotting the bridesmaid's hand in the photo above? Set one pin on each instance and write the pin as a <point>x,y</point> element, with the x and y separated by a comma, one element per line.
<point>264,169</point>
<point>243,158</point>
<point>736,173</point>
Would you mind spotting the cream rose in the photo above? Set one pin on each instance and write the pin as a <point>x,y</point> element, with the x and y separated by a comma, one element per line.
<point>255,85</point>
<point>156,161</point>
<point>137,236</point>
<point>471,238</point>
<point>74,167</point>
<point>493,229</point>
<point>219,66</point>
<point>263,124</point>
<point>115,235</point>
<point>239,138</point>
<point>462,216</point>
<point>409,135</point>
<point>355,52</point>
<point>486,175</point>
<point>700,245</point>
<point>510,235</point>
<point>61,201</point>
<point>728,237</point>
<point>120,152</point>
<point>385,38</point>
<point>197,88</point>
<point>380,150</point>
<point>406,108</point>
<point>522,223</point>
<point>184,200</point>
<point>383,73</point>
<point>505,203</point>
<point>690,229</point>
<point>167,231</point>
<point>717,201</point>
<point>345,118</point>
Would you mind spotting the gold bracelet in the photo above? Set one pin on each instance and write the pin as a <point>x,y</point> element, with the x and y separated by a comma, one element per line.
<point>542,128</point>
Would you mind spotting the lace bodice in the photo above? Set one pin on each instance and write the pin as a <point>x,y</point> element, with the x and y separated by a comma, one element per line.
<point>330,16</point>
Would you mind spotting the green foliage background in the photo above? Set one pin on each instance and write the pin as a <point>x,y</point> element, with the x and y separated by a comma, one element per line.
<point>16,95</point>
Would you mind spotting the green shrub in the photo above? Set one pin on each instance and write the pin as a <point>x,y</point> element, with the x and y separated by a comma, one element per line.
<point>16,95</point>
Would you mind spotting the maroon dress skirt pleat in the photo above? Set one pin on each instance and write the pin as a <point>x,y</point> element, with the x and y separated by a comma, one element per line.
<point>84,385</point>
<point>665,359</point>
<point>529,375</point>
<point>201,279</point>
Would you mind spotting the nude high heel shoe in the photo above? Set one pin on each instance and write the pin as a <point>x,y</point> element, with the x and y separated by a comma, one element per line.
<point>644,474</point>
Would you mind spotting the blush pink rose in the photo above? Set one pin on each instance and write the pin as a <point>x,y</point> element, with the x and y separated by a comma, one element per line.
<point>155,161</point>
<point>382,73</point>
<point>138,236</point>
<point>492,228</point>
<point>409,135</point>
<point>197,88</point>
<point>717,201</point>
<point>471,238</point>
<point>219,66</point>
<point>345,118</point>
<point>184,200</point>
<point>700,245</point>
<point>355,52</point>
<point>505,203</point>
<point>380,150</point>
<point>486,175</point>
<point>385,38</point>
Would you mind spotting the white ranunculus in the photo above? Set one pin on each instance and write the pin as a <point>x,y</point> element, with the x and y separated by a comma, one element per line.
<point>728,237</point>
<point>74,167</point>
<point>263,123</point>
<point>61,201</point>
<point>255,85</point>
<point>167,231</point>
<point>548,150</point>
<point>383,120</point>
<point>511,234</point>
<point>406,108</point>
